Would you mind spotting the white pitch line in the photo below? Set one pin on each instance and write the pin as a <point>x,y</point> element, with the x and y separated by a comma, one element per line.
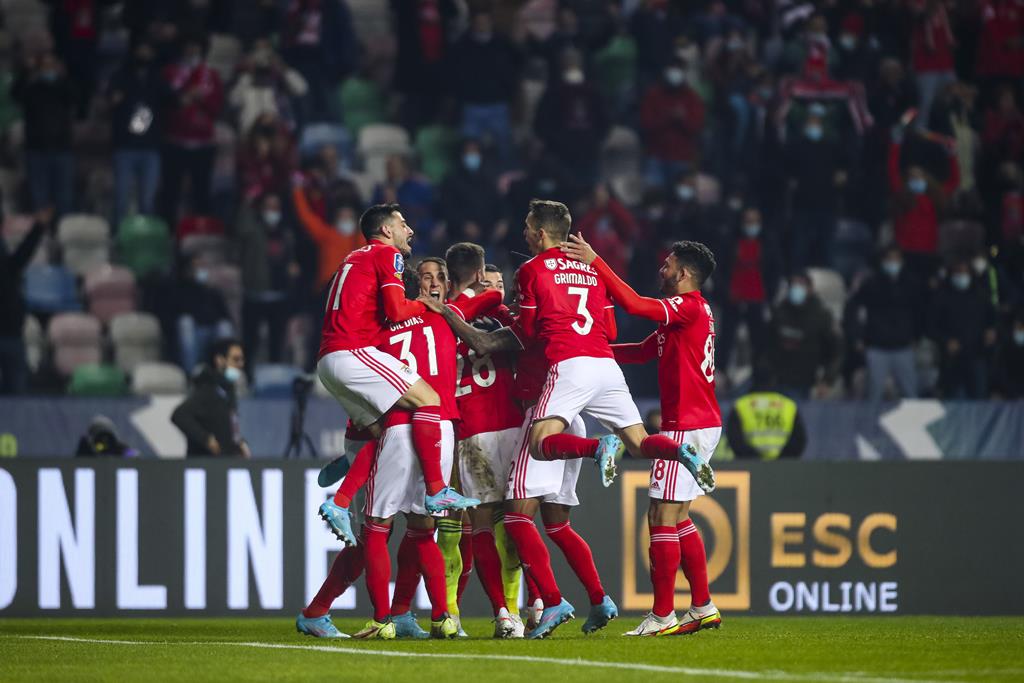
<point>846,677</point>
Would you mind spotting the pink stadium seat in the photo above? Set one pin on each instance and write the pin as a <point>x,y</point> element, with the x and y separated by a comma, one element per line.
<point>110,291</point>
<point>75,339</point>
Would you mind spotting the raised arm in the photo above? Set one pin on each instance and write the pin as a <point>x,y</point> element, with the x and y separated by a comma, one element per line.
<point>396,307</point>
<point>481,342</point>
<point>472,307</point>
<point>622,293</point>
<point>641,352</point>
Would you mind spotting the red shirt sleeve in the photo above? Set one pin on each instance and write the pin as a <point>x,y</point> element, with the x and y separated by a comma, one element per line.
<point>610,324</point>
<point>397,308</point>
<point>389,266</point>
<point>645,351</point>
<point>625,296</point>
<point>680,310</point>
<point>471,307</point>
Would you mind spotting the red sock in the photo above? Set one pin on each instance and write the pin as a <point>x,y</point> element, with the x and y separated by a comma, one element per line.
<point>664,554</point>
<point>694,562</point>
<point>488,564</point>
<point>567,447</point>
<point>532,590</point>
<point>659,447</point>
<point>357,474</point>
<point>345,569</point>
<point>534,556</point>
<point>378,568</point>
<point>580,559</point>
<point>408,577</point>
<point>466,551</point>
<point>432,567</point>
<point>426,439</point>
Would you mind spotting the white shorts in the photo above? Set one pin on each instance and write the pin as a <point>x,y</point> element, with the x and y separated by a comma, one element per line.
<point>484,463</point>
<point>396,478</point>
<point>553,481</point>
<point>669,479</point>
<point>366,382</point>
<point>594,386</point>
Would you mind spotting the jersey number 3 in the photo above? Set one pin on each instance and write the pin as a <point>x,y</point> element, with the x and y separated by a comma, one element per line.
<point>581,309</point>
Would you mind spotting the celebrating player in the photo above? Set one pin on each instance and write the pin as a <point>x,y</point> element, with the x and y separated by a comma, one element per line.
<point>366,291</point>
<point>684,345</point>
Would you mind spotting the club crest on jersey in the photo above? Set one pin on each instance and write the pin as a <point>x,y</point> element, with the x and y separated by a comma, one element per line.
<point>550,263</point>
<point>399,263</point>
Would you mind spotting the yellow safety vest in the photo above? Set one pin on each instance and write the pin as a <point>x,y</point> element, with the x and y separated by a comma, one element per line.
<point>767,420</point>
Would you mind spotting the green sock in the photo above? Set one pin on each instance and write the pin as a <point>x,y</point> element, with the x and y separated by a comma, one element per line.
<point>511,573</point>
<point>449,533</point>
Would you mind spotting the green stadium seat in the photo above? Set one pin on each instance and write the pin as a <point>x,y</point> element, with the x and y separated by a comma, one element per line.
<point>615,67</point>
<point>436,146</point>
<point>95,379</point>
<point>144,245</point>
<point>361,103</point>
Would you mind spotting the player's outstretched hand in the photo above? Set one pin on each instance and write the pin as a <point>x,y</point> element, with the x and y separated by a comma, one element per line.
<point>431,303</point>
<point>577,248</point>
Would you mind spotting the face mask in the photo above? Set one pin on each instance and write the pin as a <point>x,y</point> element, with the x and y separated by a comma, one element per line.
<point>272,218</point>
<point>482,36</point>
<point>734,44</point>
<point>472,161</point>
<point>797,294</point>
<point>655,213</point>
<point>573,76</point>
<point>765,93</point>
<point>49,76</point>
<point>232,374</point>
<point>735,203</point>
<point>546,186</point>
<point>752,230</point>
<point>675,77</point>
<point>1018,337</point>
<point>346,226</point>
<point>202,275</point>
<point>848,41</point>
<point>961,281</point>
<point>814,132</point>
<point>917,185</point>
<point>892,268</point>
<point>980,265</point>
<point>685,192</point>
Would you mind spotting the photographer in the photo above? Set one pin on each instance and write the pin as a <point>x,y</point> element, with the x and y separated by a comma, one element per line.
<point>209,415</point>
<point>101,439</point>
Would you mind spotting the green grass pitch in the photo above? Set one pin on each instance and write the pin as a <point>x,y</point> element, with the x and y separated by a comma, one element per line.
<point>832,650</point>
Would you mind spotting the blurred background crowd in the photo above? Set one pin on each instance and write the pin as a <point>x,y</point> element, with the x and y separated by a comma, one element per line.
<point>177,171</point>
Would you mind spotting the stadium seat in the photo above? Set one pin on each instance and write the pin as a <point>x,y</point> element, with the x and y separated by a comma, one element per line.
<point>75,340</point>
<point>209,249</point>
<point>50,289</point>
<point>379,141</point>
<point>110,291</point>
<point>831,289</point>
<point>158,378</point>
<point>9,110</point>
<point>85,243</point>
<point>274,380</point>
<point>224,54</point>
<point>136,339</point>
<point>32,335</point>
<point>316,135</point>
<point>621,153</point>
<point>960,237</point>
<point>16,226</point>
<point>199,225</point>
<point>227,279</point>
<point>615,67</point>
<point>362,103</point>
<point>144,245</point>
<point>436,146</point>
<point>226,159</point>
<point>96,379</point>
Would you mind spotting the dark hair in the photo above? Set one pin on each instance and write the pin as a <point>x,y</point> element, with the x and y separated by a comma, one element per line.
<point>432,259</point>
<point>551,217</point>
<point>464,259</point>
<point>695,257</point>
<point>491,268</point>
<point>222,347</point>
<point>373,219</point>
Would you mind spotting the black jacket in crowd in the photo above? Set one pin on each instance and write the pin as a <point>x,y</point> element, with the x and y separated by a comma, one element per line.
<point>1008,370</point>
<point>484,73</point>
<point>802,342</point>
<point>962,316</point>
<point>137,119</point>
<point>885,312</point>
<point>49,109</point>
<point>12,265</point>
<point>210,408</point>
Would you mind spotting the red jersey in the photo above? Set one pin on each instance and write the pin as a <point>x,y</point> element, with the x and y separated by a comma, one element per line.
<point>355,315</point>
<point>426,344</point>
<point>487,384</point>
<point>531,373</point>
<point>685,348</point>
<point>566,305</point>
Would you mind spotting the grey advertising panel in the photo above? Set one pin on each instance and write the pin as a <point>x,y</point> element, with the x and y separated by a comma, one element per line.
<point>219,538</point>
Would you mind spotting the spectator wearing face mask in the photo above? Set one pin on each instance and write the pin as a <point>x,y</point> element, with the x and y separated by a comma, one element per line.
<point>1008,366</point>
<point>671,119</point>
<point>334,240</point>
<point>917,203</point>
<point>610,228</point>
<point>470,202</point>
<point>803,343</point>
<point>266,85</point>
<point>208,417</point>
<point>816,169</point>
<point>963,325</point>
<point>882,320</point>
<point>750,272</point>
<point>201,314</point>
<point>270,273</point>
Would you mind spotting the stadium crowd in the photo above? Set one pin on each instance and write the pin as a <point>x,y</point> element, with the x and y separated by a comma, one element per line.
<point>182,170</point>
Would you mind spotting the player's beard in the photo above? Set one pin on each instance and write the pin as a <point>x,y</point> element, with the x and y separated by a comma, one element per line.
<point>406,249</point>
